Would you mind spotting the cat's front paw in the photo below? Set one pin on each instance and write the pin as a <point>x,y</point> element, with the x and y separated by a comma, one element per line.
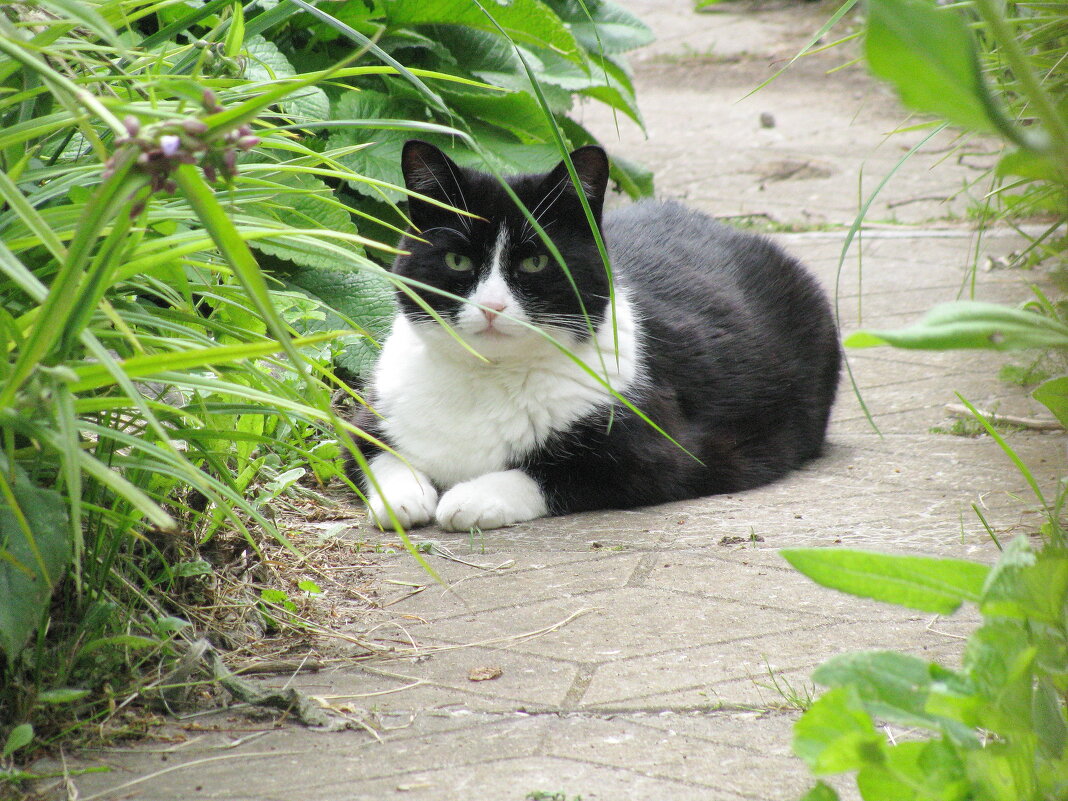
<point>410,494</point>
<point>491,501</point>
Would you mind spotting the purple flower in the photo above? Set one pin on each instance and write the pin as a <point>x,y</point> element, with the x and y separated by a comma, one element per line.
<point>170,145</point>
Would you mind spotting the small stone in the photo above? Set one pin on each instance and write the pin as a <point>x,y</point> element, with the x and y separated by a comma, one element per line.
<point>767,119</point>
<point>485,673</point>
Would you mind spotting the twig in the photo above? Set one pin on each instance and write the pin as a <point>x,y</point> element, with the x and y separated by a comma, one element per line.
<point>279,666</point>
<point>1033,423</point>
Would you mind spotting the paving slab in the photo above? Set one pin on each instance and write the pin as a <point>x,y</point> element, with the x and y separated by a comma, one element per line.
<point>661,653</point>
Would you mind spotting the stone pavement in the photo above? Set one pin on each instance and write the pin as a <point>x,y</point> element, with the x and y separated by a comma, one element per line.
<point>640,652</point>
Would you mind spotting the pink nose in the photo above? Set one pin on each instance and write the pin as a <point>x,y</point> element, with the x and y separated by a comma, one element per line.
<point>491,309</point>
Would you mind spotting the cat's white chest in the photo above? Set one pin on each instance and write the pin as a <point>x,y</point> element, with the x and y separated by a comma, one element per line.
<point>457,418</point>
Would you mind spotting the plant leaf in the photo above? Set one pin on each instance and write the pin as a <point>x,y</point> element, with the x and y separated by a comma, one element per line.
<point>1053,394</point>
<point>18,737</point>
<point>916,582</point>
<point>62,695</point>
<point>35,550</point>
<point>928,54</point>
<point>353,299</point>
<point>971,324</point>
<point>836,733</point>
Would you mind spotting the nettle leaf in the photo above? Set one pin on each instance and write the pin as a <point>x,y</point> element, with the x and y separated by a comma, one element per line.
<point>380,159</point>
<point>304,202</point>
<point>516,112</point>
<point>916,771</point>
<point>349,298</point>
<point>1028,164</point>
<point>267,63</point>
<point>896,687</point>
<point>1027,584</point>
<point>971,324</point>
<point>604,27</point>
<point>29,565</point>
<point>927,52</point>
<point>614,88</point>
<point>916,582</point>
<point>527,21</point>
<point>1053,394</point>
<point>836,734</point>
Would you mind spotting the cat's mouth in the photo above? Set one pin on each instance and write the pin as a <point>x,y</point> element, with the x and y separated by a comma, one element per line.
<point>492,332</point>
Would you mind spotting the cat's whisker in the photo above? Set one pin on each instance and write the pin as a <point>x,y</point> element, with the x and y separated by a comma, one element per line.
<point>462,234</point>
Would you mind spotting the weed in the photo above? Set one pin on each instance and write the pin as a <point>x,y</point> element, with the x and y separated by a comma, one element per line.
<point>799,697</point>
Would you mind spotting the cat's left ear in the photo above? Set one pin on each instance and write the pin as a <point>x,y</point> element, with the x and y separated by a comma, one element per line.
<point>591,164</point>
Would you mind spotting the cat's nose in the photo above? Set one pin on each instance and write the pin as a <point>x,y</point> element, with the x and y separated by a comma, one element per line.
<point>490,309</point>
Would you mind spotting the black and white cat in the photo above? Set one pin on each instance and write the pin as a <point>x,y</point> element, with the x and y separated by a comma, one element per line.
<point>718,337</point>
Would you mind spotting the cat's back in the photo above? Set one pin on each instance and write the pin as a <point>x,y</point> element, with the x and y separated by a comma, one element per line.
<point>665,246</point>
<point>738,328</point>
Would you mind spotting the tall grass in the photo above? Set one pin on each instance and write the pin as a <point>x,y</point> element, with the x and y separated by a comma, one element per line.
<point>193,233</point>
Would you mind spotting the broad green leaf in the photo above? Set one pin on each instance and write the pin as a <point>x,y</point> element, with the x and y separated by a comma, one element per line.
<point>604,27</point>
<point>351,298</point>
<point>836,734</point>
<point>999,660</point>
<point>916,771</point>
<point>927,52</point>
<point>1004,771</point>
<point>18,737</point>
<point>1053,394</point>
<point>35,551</point>
<point>892,686</point>
<point>526,21</point>
<point>380,159</point>
<point>1028,585</point>
<point>1049,723</point>
<point>307,585</point>
<point>302,203</point>
<point>267,64</point>
<point>1028,164</point>
<point>971,324</point>
<point>917,582</point>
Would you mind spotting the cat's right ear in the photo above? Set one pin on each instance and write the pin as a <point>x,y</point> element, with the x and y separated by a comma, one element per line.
<point>429,172</point>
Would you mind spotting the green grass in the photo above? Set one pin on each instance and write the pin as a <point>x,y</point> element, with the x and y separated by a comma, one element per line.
<point>197,204</point>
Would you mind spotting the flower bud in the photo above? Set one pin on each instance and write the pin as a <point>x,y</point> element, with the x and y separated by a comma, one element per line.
<point>169,145</point>
<point>194,127</point>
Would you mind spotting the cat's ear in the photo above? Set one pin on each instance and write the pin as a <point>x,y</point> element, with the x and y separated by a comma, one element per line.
<point>591,164</point>
<point>430,172</point>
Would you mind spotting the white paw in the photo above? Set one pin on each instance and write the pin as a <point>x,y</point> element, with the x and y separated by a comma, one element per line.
<point>491,501</point>
<point>410,494</point>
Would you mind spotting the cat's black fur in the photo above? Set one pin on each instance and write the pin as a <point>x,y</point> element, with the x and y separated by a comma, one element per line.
<point>741,355</point>
<point>742,363</point>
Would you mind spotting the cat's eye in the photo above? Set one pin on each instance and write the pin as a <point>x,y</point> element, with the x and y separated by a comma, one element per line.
<point>534,264</point>
<point>459,262</point>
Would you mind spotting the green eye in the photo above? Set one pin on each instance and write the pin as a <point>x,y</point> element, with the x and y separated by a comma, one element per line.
<point>534,264</point>
<point>458,262</point>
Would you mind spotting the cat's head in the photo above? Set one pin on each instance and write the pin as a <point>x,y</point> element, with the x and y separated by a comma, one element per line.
<point>495,260</point>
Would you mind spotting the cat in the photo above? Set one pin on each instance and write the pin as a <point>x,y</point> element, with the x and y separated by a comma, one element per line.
<point>722,341</point>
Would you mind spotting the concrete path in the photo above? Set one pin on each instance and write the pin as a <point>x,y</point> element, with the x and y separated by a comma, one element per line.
<point>653,654</point>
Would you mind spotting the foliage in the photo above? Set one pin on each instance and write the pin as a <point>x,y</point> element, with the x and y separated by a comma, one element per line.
<point>195,209</point>
<point>997,727</point>
<point>995,730</point>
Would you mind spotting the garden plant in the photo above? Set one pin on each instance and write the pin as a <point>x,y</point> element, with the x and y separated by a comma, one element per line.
<point>996,729</point>
<point>197,203</point>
